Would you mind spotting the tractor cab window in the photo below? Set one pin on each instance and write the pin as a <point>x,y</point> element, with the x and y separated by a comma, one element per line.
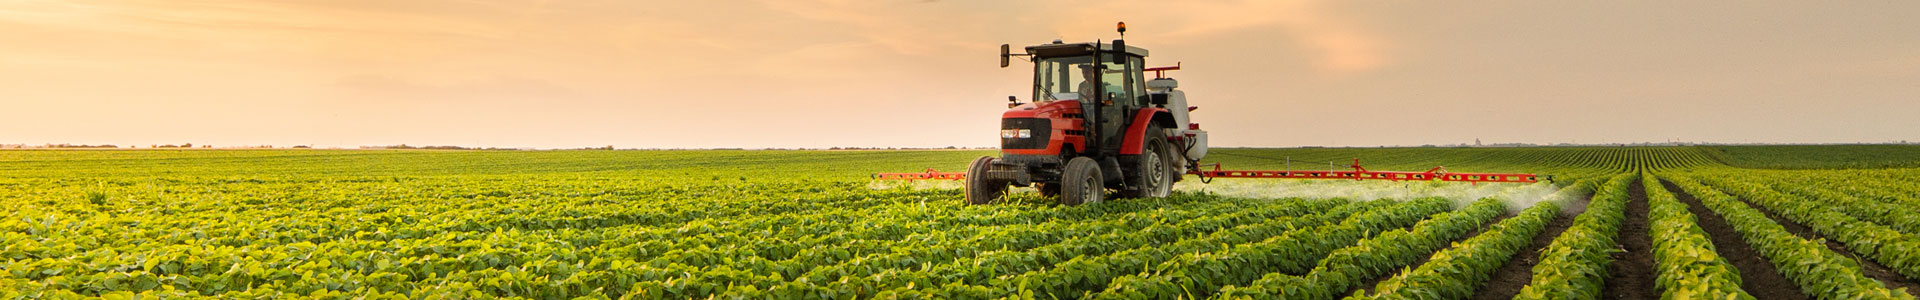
<point>1136,86</point>
<point>1061,78</point>
<point>1120,79</point>
<point>1069,78</point>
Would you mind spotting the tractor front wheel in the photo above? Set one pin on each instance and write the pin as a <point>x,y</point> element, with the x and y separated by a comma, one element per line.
<point>1082,183</point>
<point>980,189</point>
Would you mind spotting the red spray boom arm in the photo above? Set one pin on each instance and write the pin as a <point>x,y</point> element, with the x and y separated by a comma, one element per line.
<point>1361,173</point>
<point>1358,173</point>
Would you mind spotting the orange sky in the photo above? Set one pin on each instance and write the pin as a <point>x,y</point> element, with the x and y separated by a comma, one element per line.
<point>555,74</point>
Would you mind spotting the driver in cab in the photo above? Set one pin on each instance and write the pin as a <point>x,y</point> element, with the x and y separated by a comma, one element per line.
<point>1086,83</point>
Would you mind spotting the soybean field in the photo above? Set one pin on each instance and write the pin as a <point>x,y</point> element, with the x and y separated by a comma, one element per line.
<point>1694,222</point>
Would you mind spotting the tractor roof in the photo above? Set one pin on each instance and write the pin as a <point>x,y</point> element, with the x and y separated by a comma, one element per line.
<point>1062,49</point>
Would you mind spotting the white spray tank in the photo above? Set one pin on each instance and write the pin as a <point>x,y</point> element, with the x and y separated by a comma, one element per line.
<point>1194,144</point>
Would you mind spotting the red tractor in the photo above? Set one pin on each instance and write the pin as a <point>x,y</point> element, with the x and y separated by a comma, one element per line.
<point>1095,123</point>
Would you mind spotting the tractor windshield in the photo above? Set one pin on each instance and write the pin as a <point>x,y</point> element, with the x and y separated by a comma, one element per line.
<point>1067,78</point>
<point>1055,78</point>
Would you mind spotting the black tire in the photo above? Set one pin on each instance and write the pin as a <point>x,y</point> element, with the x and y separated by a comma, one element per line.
<point>1152,173</point>
<point>1081,182</point>
<point>981,190</point>
<point>1180,163</point>
<point>1047,189</point>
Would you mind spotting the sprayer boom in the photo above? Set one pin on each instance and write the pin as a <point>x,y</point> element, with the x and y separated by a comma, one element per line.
<point>930,174</point>
<point>1361,173</point>
<point>1358,173</point>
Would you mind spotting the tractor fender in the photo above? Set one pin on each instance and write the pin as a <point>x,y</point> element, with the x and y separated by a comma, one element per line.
<point>1137,130</point>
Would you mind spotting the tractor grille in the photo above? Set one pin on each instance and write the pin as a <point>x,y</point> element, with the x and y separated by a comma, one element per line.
<point>1041,129</point>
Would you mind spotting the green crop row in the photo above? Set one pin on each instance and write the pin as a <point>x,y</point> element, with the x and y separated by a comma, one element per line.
<point>1820,272</point>
<point>1574,266</point>
<point>989,264</point>
<point>1349,267</point>
<point>1903,218</point>
<point>1878,185</point>
<point>1200,274</point>
<point>1052,245</point>
<point>1461,270</point>
<point>971,275</point>
<point>1897,250</point>
<point>1084,269</point>
<point>1062,282</point>
<point>1456,272</point>
<point>1816,156</point>
<point>1689,267</point>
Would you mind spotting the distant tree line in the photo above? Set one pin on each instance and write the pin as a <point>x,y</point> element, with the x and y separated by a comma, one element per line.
<point>405,146</point>
<point>64,145</point>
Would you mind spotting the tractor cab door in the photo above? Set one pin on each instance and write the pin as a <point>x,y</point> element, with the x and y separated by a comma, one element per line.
<point>1122,91</point>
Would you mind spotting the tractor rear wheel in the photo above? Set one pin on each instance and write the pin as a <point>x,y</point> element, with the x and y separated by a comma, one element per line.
<point>1152,171</point>
<point>1082,183</point>
<point>980,189</point>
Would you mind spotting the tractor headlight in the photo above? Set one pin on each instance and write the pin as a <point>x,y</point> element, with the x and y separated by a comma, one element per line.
<point>1016,133</point>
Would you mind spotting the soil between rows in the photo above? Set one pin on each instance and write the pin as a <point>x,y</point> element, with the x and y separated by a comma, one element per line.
<point>1869,267</point>
<point>1757,275</point>
<point>1518,271</point>
<point>1367,287</point>
<point>1632,267</point>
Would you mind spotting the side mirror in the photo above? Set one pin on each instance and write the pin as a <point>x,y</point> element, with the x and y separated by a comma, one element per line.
<point>1006,51</point>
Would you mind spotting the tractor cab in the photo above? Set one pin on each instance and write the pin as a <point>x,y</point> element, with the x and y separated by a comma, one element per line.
<point>1072,72</point>
<point>1102,78</point>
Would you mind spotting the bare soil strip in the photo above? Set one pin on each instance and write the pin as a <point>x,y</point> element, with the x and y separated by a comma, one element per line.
<point>1633,267</point>
<point>1757,275</point>
<point>1872,269</point>
<point>1518,272</point>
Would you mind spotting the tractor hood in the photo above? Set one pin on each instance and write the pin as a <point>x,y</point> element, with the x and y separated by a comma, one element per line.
<point>1057,109</point>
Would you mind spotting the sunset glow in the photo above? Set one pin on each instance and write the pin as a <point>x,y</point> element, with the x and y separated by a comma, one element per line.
<point>696,74</point>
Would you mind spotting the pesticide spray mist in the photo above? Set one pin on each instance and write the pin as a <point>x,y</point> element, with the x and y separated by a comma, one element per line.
<point>1518,196</point>
<point>917,184</point>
